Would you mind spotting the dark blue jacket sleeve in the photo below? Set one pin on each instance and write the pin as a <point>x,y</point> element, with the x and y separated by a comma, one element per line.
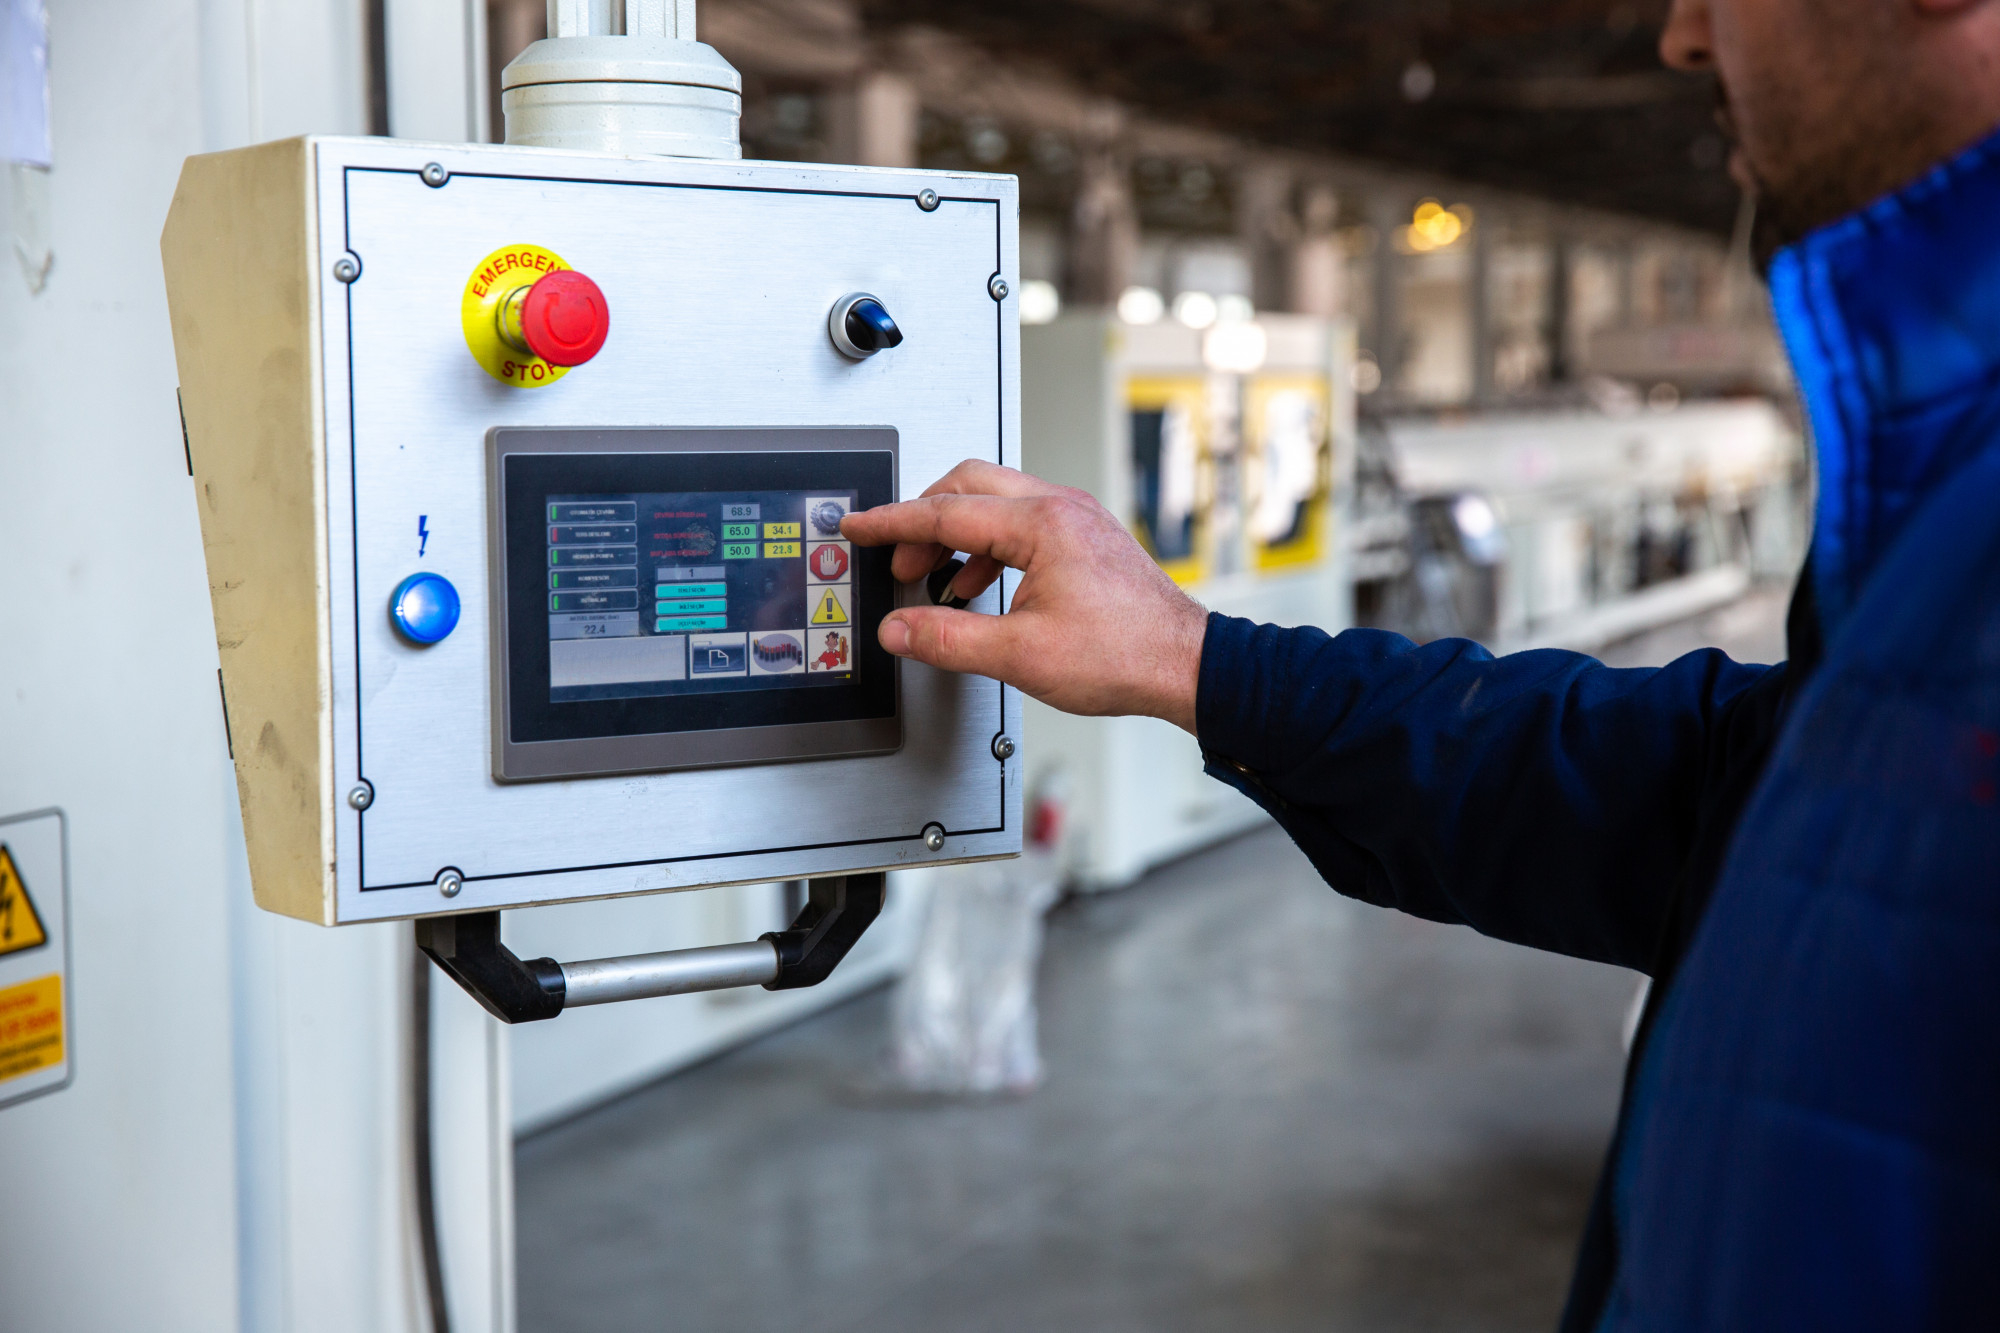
<point>1542,797</point>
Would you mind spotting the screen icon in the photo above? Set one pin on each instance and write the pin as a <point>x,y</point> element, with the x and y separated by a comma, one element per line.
<point>831,608</point>
<point>717,655</point>
<point>830,649</point>
<point>781,654</point>
<point>828,562</point>
<point>824,514</point>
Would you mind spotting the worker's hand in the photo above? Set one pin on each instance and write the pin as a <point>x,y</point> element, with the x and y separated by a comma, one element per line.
<point>1095,626</point>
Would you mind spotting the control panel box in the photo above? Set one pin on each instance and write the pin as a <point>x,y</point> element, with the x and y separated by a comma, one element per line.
<point>521,476</point>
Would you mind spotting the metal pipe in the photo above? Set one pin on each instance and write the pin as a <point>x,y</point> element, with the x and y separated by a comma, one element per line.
<point>642,976</point>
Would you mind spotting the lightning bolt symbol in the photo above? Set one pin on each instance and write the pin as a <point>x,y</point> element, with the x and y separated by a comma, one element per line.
<point>423,534</point>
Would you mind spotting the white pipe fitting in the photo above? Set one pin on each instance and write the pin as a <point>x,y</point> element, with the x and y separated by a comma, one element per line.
<point>625,78</point>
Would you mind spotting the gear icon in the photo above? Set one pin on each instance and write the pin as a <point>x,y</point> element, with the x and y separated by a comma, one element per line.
<point>826,516</point>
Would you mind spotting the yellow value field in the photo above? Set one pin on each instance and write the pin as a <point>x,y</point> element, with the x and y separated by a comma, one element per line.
<point>779,530</point>
<point>781,550</point>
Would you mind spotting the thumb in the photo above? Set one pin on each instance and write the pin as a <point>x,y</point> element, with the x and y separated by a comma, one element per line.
<point>963,641</point>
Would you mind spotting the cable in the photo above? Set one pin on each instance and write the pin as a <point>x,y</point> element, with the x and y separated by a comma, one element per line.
<point>420,1133</point>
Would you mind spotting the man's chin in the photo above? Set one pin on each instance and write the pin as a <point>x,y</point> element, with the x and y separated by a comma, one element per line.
<point>1740,172</point>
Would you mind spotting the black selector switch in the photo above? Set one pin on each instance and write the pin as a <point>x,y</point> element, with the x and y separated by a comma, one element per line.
<point>939,585</point>
<point>860,326</point>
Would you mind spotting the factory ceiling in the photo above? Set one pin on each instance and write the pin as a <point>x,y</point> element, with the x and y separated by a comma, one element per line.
<point>1562,98</point>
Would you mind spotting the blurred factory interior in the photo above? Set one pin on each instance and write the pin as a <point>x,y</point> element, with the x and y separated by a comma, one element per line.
<point>1437,317</point>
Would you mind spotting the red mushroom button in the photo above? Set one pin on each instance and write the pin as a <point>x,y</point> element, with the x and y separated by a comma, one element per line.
<point>564,318</point>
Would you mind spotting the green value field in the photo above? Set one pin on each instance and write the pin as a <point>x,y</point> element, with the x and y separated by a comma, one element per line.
<point>666,590</point>
<point>679,624</point>
<point>697,607</point>
<point>739,550</point>
<point>736,532</point>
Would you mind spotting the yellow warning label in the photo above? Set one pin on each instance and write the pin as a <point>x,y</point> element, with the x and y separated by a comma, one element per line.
<point>31,1027</point>
<point>499,276</point>
<point>20,925</point>
<point>830,611</point>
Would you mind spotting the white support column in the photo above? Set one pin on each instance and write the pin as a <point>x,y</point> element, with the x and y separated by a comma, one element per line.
<point>672,19</point>
<point>875,122</point>
<point>1268,232</point>
<point>582,18</point>
<point>1104,227</point>
<point>1318,268</point>
<point>437,69</point>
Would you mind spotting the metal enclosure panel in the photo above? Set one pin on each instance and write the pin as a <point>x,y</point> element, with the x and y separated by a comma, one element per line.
<point>719,277</point>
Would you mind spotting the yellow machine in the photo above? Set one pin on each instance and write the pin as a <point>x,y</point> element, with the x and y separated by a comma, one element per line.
<point>1228,451</point>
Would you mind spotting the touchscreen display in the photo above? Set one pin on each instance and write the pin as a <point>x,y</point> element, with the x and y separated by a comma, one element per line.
<point>693,592</point>
<point>664,586</point>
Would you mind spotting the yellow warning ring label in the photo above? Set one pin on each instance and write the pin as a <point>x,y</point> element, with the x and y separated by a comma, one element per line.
<point>499,276</point>
<point>31,1027</point>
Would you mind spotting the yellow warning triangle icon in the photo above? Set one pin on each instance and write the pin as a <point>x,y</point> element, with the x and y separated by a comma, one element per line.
<point>830,611</point>
<point>20,926</point>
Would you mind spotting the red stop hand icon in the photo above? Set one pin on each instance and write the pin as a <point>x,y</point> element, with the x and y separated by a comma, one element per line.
<point>828,562</point>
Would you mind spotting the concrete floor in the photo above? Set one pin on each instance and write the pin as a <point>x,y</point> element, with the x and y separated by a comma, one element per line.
<point>1267,1108</point>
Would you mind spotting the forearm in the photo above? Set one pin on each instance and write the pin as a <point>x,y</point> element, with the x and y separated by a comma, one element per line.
<point>1542,797</point>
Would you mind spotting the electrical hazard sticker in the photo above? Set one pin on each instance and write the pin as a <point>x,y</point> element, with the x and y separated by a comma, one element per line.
<point>31,1028</point>
<point>21,925</point>
<point>35,1045</point>
<point>831,608</point>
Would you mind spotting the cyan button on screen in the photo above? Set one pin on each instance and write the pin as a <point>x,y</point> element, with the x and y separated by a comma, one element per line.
<point>677,624</point>
<point>424,608</point>
<point>666,590</point>
<point>714,607</point>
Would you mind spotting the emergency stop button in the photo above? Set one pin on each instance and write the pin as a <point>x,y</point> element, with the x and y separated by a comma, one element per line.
<point>562,318</point>
<point>529,317</point>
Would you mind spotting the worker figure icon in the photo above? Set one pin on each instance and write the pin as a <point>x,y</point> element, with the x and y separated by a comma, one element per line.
<point>833,652</point>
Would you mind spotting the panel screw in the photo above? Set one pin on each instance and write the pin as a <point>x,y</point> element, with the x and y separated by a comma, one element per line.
<point>997,288</point>
<point>434,175</point>
<point>449,882</point>
<point>928,200</point>
<point>361,796</point>
<point>934,836</point>
<point>346,268</point>
<point>1003,747</point>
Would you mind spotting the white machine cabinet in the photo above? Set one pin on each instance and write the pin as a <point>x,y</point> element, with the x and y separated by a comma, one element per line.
<point>357,401</point>
<point>1230,453</point>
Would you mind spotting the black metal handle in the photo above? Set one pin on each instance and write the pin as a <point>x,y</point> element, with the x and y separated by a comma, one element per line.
<point>469,950</point>
<point>838,912</point>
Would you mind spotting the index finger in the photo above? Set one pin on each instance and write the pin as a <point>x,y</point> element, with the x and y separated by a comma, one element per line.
<point>973,476</point>
<point>1004,528</point>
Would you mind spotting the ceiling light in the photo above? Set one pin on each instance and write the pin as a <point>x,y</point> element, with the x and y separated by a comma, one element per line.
<point>1197,310</point>
<point>1235,349</point>
<point>1040,302</point>
<point>1141,305</point>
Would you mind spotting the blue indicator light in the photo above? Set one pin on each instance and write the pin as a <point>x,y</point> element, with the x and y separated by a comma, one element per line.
<point>424,608</point>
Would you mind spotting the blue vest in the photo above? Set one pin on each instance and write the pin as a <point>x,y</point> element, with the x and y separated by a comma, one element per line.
<point>1809,863</point>
<point>1812,1135</point>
